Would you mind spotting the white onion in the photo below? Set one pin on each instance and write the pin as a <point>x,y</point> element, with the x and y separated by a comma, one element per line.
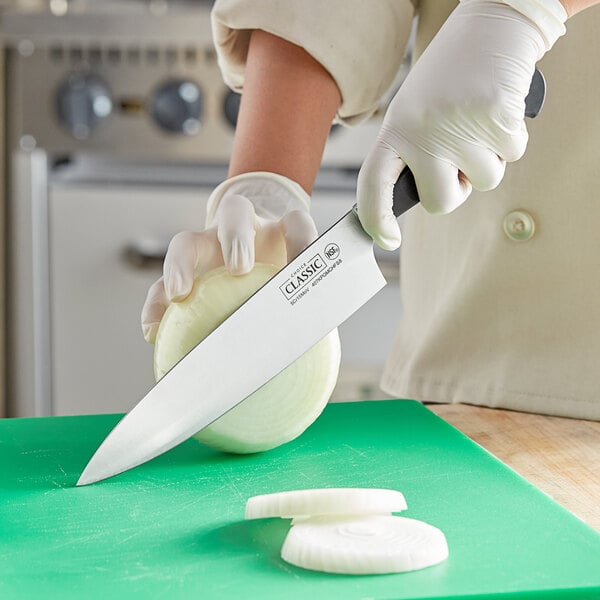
<point>364,545</point>
<point>280,410</point>
<point>325,501</point>
<point>350,531</point>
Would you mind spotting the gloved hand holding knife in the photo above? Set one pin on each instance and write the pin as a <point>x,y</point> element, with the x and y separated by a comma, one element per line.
<point>458,118</point>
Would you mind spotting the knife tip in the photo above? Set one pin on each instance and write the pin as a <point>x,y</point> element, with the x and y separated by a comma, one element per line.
<point>85,479</point>
<point>96,471</point>
<point>93,474</point>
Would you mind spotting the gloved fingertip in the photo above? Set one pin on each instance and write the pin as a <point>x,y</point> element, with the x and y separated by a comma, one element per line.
<point>442,187</point>
<point>383,228</point>
<point>389,245</point>
<point>177,287</point>
<point>388,242</point>
<point>239,257</point>
<point>150,330</point>
<point>299,231</point>
<point>239,268</point>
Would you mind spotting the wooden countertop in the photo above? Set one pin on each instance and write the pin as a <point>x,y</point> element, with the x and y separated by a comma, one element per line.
<point>559,456</point>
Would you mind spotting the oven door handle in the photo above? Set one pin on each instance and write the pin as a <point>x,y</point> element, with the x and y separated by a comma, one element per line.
<point>145,254</point>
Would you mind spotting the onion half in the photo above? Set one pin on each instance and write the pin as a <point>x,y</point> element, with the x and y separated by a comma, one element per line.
<point>280,410</point>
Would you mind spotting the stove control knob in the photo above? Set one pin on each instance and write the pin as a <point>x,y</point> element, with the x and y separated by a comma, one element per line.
<point>177,107</point>
<point>82,101</point>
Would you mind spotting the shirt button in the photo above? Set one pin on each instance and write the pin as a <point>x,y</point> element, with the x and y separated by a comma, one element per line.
<point>519,225</point>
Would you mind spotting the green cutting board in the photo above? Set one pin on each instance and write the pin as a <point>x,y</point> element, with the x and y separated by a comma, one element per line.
<point>173,528</point>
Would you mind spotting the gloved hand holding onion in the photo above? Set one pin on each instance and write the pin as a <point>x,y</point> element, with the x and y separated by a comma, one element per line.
<point>261,217</point>
<point>209,274</point>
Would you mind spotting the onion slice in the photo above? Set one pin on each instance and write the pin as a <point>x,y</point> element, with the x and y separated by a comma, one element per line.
<point>280,410</point>
<point>373,544</point>
<point>325,501</point>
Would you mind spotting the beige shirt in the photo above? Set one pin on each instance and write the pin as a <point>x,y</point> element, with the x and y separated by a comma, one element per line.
<point>500,300</point>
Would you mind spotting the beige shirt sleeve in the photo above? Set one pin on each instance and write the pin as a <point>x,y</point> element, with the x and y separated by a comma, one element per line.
<point>361,44</point>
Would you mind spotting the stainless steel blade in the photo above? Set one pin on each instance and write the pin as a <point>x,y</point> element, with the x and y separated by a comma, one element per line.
<point>301,304</point>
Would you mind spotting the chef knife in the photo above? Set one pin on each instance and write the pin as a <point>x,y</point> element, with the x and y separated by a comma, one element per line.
<point>302,303</point>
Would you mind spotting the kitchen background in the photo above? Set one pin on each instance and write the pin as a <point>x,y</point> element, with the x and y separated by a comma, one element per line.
<point>116,128</point>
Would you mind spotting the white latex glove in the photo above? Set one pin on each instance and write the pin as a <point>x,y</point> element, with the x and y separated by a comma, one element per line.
<point>255,216</point>
<point>459,115</point>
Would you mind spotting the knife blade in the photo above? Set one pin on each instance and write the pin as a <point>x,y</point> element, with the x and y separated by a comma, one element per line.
<point>301,304</point>
<point>308,298</point>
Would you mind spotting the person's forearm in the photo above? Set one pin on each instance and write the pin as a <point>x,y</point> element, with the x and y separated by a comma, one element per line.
<point>287,107</point>
<point>574,6</point>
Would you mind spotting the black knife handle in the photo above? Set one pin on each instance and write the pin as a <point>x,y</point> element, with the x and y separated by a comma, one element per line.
<point>405,188</point>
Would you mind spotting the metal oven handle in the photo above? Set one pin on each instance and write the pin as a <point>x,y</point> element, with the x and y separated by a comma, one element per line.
<point>145,254</point>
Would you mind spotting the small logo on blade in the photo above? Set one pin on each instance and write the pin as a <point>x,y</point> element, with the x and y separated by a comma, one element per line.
<point>332,251</point>
<point>302,276</point>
